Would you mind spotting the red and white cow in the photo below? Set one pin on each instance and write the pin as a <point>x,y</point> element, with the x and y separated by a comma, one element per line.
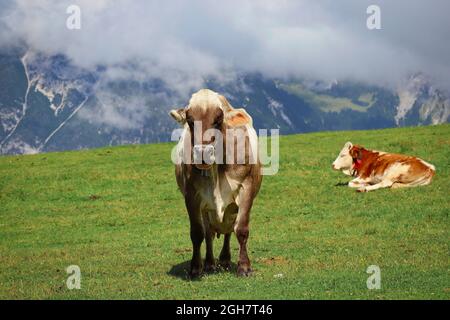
<point>375,169</point>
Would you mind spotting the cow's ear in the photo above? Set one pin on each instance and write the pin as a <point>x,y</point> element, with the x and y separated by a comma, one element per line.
<point>179,115</point>
<point>238,118</point>
<point>348,145</point>
<point>354,152</point>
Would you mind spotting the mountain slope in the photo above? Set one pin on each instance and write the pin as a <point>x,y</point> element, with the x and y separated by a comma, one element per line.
<point>48,104</point>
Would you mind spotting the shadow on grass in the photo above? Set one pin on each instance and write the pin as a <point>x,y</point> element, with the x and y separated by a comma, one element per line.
<point>181,271</point>
<point>341,184</point>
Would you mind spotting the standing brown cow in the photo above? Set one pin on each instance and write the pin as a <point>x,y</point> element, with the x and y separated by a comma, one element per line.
<point>218,172</point>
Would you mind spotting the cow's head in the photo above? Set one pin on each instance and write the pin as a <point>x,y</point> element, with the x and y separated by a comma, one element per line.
<point>207,117</point>
<point>344,160</point>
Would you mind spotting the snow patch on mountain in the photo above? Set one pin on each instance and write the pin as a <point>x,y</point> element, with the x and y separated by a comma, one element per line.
<point>9,117</point>
<point>408,93</point>
<point>55,78</point>
<point>18,118</point>
<point>436,108</point>
<point>276,108</point>
<point>64,86</point>
<point>22,147</point>
<point>418,92</point>
<point>62,124</point>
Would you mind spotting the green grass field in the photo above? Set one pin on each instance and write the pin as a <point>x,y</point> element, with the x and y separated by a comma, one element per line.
<point>117,214</point>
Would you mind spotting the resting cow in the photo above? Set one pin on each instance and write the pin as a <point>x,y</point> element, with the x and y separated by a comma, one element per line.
<point>218,187</point>
<point>375,169</point>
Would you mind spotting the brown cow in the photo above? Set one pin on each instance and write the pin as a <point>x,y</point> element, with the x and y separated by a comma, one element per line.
<point>218,188</point>
<point>375,169</point>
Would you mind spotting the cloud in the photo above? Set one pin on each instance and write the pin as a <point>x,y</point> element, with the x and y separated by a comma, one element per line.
<point>182,42</point>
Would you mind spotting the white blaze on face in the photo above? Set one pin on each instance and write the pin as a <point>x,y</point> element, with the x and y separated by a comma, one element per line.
<point>344,160</point>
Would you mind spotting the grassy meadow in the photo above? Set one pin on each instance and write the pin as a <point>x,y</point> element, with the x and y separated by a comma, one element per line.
<point>117,214</point>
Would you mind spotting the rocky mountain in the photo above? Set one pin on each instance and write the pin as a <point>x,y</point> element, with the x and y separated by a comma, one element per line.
<point>421,103</point>
<point>48,104</point>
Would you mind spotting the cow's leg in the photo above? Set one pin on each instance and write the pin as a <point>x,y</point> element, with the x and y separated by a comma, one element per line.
<point>398,185</point>
<point>382,184</point>
<point>225,253</point>
<point>197,236</point>
<point>241,229</point>
<point>358,182</point>
<point>210,264</point>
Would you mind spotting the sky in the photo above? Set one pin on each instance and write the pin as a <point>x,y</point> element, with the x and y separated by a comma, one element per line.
<point>182,42</point>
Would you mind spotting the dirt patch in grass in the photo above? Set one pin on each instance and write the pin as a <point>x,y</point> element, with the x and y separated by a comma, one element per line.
<point>274,261</point>
<point>182,250</point>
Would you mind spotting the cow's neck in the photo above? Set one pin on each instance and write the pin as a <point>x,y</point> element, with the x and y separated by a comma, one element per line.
<point>361,163</point>
<point>218,191</point>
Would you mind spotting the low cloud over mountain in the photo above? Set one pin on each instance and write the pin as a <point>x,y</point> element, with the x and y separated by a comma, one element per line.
<point>181,42</point>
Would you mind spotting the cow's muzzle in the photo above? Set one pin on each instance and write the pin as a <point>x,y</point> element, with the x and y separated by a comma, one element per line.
<point>204,156</point>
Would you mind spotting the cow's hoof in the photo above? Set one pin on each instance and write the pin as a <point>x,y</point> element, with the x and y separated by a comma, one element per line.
<point>225,264</point>
<point>210,267</point>
<point>244,271</point>
<point>195,273</point>
<point>361,190</point>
